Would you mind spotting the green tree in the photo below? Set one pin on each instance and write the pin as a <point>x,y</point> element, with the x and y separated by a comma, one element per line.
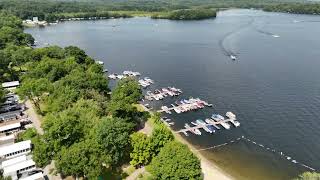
<point>79,54</point>
<point>34,89</point>
<point>308,176</point>
<point>142,150</point>
<point>113,135</point>
<point>27,135</point>
<point>127,90</point>
<point>160,136</point>
<point>41,152</point>
<point>175,161</point>
<point>82,159</point>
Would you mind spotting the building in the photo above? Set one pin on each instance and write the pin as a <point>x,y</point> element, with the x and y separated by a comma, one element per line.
<point>6,140</point>
<point>37,176</point>
<point>10,126</point>
<point>35,19</point>
<point>12,115</point>
<point>10,85</point>
<point>13,161</point>
<point>18,168</point>
<point>15,150</point>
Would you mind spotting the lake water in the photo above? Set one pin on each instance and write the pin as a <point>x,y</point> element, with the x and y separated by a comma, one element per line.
<point>273,87</point>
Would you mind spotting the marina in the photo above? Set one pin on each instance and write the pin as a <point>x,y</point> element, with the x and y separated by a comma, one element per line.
<point>124,74</point>
<point>160,94</point>
<point>211,125</point>
<point>185,105</point>
<point>145,82</point>
<point>274,109</point>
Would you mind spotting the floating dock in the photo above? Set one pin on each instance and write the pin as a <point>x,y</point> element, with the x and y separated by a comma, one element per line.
<point>204,126</point>
<point>185,106</point>
<point>160,94</point>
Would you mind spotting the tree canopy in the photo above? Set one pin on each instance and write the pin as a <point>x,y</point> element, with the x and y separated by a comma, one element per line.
<point>175,161</point>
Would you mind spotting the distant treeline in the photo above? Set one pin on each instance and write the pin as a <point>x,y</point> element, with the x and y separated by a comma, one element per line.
<point>55,10</point>
<point>187,14</point>
<point>297,8</point>
<point>85,15</point>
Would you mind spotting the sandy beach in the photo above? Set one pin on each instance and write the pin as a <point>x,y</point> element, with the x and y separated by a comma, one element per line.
<point>209,169</point>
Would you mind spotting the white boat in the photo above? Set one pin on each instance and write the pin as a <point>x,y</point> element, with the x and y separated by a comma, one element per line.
<point>100,62</point>
<point>275,36</point>
<point>225,125</point>
<point>233,57</point>
<point>231,115</point>
<point>235,123</point>
<point>197,131</point>
<point>112,76</point>
<point>195,123</point>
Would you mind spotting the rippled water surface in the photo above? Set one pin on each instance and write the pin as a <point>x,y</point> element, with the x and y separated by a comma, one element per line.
<point>273,87</point>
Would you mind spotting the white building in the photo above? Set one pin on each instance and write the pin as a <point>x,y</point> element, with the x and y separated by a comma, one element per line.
<point>6,140</point>
<point>35,19</point>
<point>20,167</point>
<point>10,85</point>
<point>15,150</point>
<point>38,176</point>
<point>13,161</point>
<point>10,126</point>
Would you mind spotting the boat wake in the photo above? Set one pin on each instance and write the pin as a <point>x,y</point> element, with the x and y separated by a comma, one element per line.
<point>266,33</point>
<point>222,43</point>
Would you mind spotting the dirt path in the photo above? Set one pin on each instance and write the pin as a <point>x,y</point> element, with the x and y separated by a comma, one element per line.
<point>34,117</point>
<point>135,174</point>
<point>36,121</point>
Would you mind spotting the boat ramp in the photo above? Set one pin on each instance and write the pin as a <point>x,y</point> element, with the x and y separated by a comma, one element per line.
<point>210,125</point>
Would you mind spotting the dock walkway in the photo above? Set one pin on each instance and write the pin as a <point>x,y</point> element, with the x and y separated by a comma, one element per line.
<point>214,123</point>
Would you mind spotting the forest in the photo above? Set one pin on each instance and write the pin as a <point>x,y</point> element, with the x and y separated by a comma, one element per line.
<point>187,14</point>
<point>57,10</point>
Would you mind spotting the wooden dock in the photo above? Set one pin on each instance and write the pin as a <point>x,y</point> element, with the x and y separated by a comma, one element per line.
<point>213,123</point>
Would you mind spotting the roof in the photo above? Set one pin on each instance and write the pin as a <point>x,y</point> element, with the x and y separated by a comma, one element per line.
<point>11,114</point>
<point>13,161</point>
<point>10,126</point>
<point>15,147</point>
<point>33,177</point>
<point>18,166</point>
<point>5,138</point>
<point>10,84</point>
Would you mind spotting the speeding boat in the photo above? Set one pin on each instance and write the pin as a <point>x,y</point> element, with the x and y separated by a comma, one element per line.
<point>233,57</point>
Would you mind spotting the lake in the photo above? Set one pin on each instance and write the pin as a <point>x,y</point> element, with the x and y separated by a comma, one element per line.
<point>273,87</point>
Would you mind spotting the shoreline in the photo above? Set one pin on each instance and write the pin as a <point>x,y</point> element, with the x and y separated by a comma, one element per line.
<point>210,170</point>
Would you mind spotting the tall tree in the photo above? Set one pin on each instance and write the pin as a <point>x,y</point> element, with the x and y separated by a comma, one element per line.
<point>175,161</point>
<point>142,150</point>
<point>127,90</point>
<point>161,135</point>
<point>34,89</point>
<point>113,135</point>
